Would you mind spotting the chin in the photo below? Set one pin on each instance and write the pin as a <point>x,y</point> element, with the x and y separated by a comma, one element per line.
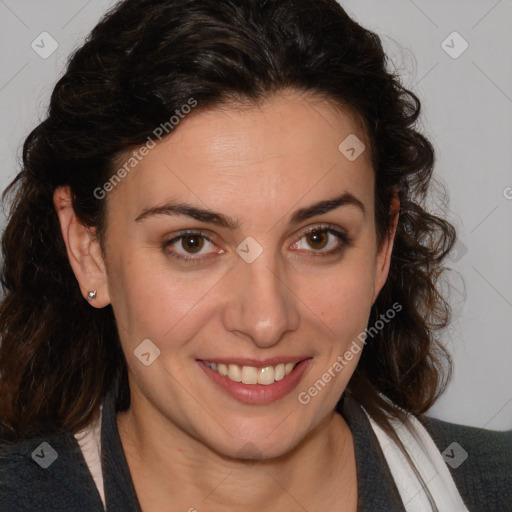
<point>253,450</point>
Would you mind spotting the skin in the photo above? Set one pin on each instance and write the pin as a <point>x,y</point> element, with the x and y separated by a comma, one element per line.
<point>187,442</point>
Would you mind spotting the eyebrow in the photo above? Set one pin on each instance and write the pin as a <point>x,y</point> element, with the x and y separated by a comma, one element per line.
<point>345,199</point>
<point>218,219</point>
<point>189,210</point>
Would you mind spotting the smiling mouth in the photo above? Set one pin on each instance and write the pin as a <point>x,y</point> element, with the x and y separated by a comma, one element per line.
<point>250,374</point>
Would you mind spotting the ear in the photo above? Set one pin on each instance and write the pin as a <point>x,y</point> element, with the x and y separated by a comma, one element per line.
<point>383,259</point>
<point>84,251</point>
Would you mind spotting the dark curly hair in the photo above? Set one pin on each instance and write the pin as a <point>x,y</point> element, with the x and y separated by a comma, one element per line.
<point>144,60</point>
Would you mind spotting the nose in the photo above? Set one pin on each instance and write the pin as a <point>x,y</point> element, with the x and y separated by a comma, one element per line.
<point>261,305</point>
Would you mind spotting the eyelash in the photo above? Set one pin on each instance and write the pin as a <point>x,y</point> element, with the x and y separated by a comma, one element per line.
<point>180,236</point>
<point>345,241</point>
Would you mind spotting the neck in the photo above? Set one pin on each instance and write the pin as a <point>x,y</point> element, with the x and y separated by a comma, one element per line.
<point>170,466</point>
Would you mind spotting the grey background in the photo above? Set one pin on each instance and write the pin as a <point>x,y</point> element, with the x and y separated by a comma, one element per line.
<point>467,113</point>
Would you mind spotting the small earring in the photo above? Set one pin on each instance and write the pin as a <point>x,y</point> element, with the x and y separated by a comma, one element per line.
<point>91,295</point>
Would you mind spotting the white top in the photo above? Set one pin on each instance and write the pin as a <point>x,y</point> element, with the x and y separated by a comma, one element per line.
<point>89,440</point>
<point>429,463</point>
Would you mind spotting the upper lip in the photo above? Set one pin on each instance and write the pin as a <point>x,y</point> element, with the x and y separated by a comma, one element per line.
<point>258,363</point>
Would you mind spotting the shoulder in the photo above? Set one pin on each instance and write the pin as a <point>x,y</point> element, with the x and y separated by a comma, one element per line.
<point>45,474</point>
<point>480,462</point>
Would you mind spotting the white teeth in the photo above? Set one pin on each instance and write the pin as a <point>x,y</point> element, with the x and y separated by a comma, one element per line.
<point>266,375</point>
<point>279,372</point>
<point>234,373</point>
<point>252,375</point>
<point>249,375</point>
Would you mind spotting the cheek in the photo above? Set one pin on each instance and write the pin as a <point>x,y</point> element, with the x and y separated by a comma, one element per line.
<point>342,298</point>
<point>151,301</point>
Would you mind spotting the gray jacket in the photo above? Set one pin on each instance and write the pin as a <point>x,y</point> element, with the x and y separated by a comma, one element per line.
<point>484,479</point>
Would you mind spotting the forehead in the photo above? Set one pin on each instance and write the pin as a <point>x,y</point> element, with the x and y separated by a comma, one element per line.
<point>271,156</point>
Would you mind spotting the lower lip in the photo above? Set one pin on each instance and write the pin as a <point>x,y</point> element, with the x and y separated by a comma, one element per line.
<point>257,393</point>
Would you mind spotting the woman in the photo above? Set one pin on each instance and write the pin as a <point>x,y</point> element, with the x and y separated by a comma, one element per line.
<point>221,282</point>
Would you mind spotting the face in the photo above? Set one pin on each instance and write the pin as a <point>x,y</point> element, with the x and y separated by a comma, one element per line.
<point>245,244</point>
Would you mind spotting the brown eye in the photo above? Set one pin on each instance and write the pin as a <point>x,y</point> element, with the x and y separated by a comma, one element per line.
<point>317,239</point>
<point>322,241</point>
<point>191,247</point>
<point>192,243</point>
